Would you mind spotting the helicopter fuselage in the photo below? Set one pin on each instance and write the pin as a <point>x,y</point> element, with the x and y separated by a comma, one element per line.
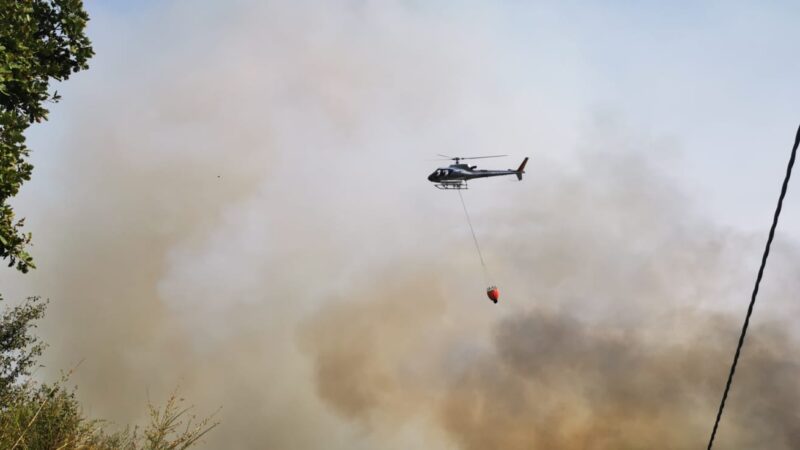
<point>455,176</point>
<point>464,172</point>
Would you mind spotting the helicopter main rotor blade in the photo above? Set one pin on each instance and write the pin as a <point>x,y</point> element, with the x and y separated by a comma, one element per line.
<point>458,158</point>
<point>482,157</point>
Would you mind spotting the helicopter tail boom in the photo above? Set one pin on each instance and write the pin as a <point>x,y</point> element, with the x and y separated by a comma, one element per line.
<point>521,169</point>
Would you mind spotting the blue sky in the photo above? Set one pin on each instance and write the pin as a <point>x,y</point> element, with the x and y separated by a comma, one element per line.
<point>717,77</point>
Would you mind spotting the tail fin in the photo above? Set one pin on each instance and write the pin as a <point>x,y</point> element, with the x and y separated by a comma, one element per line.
<point>521,169</point>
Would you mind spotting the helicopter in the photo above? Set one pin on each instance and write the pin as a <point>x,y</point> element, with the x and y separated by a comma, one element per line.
<point>456,175</point>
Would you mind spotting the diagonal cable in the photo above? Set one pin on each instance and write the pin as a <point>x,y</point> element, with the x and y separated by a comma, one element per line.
<point>474,238</point>
<point>755,289</point>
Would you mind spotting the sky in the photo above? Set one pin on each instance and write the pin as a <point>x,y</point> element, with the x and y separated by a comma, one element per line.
<point>233,200</point>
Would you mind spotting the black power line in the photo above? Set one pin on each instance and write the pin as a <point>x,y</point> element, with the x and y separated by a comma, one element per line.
<point>755,289</point>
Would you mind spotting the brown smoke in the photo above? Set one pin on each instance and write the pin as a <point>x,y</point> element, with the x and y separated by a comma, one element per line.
<point>616,337</point>
<point>552,381</point>
<point>547,378</point>
<point>233,199</point>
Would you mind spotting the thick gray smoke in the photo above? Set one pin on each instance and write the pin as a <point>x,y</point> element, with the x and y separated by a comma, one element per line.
<point>552,381</point>
<point>233,199</point>
<point>617,338</point>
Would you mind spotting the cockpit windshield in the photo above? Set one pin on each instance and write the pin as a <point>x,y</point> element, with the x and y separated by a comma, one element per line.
<point>438,174</point>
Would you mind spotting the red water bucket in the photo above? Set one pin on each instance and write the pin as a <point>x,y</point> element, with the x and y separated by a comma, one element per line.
<point>493,293</point>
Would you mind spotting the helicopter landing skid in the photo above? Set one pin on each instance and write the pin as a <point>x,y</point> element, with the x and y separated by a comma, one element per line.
<point>459,185</point>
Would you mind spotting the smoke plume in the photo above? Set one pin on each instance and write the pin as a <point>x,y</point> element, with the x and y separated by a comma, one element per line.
<point>233,200</point>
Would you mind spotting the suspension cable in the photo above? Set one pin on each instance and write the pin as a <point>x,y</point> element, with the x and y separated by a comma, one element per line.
<point>475,239</point>
<point>755,289</point>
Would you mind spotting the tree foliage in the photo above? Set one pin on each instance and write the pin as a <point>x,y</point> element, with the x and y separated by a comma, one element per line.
<point>50,417</point>
<point>38,416</point>
<point>40,41</point>
<point>19,347</point>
